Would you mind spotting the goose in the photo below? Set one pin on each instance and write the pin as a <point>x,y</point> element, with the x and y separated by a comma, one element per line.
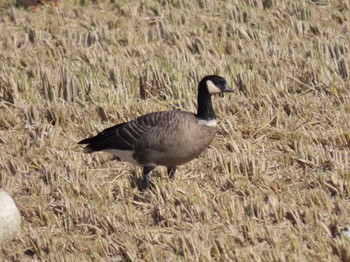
<point>10,218</point>
<point>166,138</point>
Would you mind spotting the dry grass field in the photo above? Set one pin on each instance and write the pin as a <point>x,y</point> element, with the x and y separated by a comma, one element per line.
<point>273,186</point>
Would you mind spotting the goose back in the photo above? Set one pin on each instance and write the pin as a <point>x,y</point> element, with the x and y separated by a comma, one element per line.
<point>175,143</point>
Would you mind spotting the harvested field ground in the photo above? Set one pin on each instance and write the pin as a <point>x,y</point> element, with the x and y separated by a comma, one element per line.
<point>273,186</point>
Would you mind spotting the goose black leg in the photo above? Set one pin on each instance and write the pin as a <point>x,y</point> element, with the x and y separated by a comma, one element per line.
<point>147,176</point>
<point>171,172</point>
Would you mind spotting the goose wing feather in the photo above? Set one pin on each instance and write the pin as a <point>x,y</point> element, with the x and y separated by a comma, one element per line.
<point>126,136</point>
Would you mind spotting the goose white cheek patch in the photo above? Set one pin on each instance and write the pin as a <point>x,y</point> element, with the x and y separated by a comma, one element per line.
<point>212,88</point>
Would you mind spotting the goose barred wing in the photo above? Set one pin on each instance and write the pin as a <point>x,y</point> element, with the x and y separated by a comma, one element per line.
<point>125,136</point>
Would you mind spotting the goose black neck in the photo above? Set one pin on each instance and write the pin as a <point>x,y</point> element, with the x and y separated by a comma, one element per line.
<point>205,107</point>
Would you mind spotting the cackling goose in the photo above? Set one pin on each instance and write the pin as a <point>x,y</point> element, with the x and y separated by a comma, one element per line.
<point>168,138</point>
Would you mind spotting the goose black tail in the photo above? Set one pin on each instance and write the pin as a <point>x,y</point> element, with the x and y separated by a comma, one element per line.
<point>91,144</point>
<point>98,142</point>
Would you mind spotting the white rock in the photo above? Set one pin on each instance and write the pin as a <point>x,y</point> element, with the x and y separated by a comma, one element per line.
<point>346,232</point>
<point>10,218</point>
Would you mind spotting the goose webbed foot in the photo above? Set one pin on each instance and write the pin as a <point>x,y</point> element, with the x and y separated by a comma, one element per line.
<point>147,176</point>
<point>171,172</point>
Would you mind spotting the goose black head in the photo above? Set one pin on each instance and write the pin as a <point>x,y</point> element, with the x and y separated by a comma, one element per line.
<point>214,84</point>
<point>208,86</point>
